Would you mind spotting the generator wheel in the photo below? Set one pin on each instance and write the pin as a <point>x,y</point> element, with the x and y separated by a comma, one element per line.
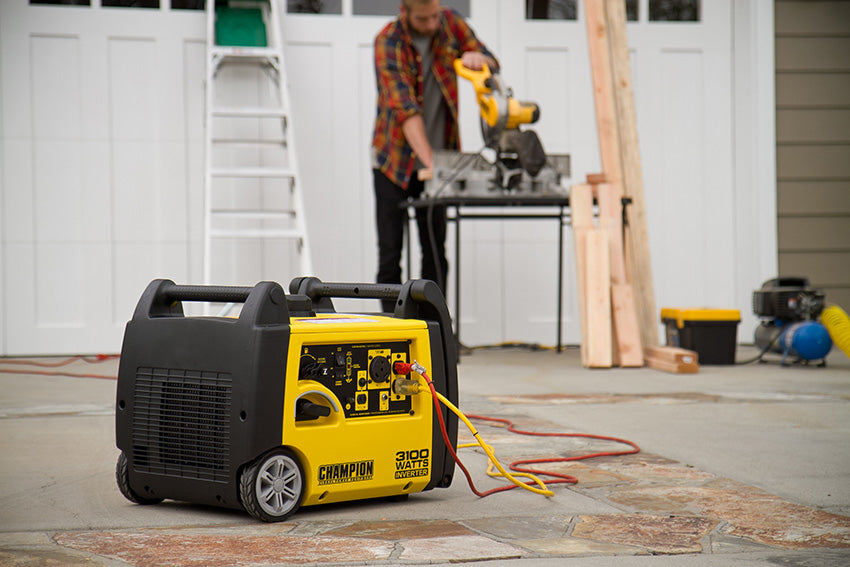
<point>122,475</point>
<point>271,487</point>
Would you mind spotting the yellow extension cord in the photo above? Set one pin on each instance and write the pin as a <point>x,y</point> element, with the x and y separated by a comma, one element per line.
<point>493,461</point>
<point>837,323</point>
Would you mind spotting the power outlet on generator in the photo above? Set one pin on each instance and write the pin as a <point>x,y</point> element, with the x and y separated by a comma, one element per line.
<point>360,375</point>
<point>397,357</point>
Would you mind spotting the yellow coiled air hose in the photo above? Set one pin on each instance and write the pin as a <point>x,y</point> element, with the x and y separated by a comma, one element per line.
<point>837,323</point>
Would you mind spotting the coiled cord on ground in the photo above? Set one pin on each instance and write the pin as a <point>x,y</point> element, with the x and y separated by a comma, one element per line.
<point>535,484</point>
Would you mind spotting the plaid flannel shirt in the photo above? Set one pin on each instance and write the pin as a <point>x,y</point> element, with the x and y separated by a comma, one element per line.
<point>400,87</point>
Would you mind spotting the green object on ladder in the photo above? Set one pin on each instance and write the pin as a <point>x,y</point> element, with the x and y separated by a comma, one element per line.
<point>240,27</point>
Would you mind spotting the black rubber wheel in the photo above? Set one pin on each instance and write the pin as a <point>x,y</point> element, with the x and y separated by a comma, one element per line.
<point>271,488</point>
<point>122,475</point>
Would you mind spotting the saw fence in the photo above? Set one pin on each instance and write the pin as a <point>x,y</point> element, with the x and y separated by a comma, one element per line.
<point>616,294</point>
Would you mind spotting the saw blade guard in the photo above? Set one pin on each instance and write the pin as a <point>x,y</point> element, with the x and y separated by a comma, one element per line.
<point>500,111</point>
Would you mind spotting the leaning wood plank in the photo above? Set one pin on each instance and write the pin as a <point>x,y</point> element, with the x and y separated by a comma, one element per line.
<point>638,260</point>
<point>609,197</point>
<point>673,354</point>
<point>598,299</point>
<point>671,366</point>
<point>610,222</point>
<point>627,343</point>
<point>581,206</point>
<point>581,212</point>
<point>626,326</point>
<point>603,90</point>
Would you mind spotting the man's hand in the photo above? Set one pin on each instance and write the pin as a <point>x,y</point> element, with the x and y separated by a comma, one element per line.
<point>475,60</point>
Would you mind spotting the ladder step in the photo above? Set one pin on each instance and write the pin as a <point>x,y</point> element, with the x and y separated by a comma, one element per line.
<point>251,172</point>
<point>255,141</point>
<point>244,52</point>
<point>251,112</point>
<point>252,215</point>
<point>256,233</point>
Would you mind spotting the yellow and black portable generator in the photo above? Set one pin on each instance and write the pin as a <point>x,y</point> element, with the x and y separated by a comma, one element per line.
<point>289,404</point>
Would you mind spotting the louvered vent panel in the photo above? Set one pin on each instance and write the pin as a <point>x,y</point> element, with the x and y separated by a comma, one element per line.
<point>181,423</point>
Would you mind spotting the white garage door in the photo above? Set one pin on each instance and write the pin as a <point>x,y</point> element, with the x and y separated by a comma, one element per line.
<point>102,166</point>
<point>102,127</point>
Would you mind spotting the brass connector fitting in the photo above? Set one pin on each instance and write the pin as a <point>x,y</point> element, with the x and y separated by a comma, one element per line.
<point>406,387</point>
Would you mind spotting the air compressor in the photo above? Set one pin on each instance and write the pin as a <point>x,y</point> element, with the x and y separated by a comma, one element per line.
<point>289,404</point>
<point>790,308</point>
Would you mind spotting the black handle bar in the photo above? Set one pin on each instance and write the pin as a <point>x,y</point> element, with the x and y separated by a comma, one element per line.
<point>265,303</point>
<point>213,293</point>
<point>315,289</point>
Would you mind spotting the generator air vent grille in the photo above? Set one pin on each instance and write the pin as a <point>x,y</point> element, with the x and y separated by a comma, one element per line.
<point>181,423</point>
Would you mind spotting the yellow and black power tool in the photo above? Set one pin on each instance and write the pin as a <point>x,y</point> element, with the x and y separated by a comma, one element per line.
<point>502,115</point>
<point>500,111</point>
<point>289,404</point>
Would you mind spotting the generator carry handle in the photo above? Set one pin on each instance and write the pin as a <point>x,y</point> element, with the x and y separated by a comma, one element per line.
<point>314,287</point>
<point>321,292</point>
<point>415,299</point>
<point>265,303</point>
<point>211,293</point>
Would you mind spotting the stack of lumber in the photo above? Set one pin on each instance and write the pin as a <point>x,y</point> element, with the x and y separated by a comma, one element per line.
<point>616,294</point>
<point>609,326</point>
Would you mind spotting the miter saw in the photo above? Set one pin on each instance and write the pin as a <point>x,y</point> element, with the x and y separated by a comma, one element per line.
<point>513,160</point>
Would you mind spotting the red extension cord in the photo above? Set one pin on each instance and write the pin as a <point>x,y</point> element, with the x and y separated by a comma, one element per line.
<point>559,478</point>
<point>90,359</point>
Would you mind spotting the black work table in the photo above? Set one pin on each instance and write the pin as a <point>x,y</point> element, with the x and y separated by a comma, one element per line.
<point>510,207</point>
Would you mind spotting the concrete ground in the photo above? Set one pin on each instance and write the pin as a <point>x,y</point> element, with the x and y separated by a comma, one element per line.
<point>739,465</point>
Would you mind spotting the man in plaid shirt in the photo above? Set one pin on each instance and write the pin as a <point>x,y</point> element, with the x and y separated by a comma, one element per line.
<point>417,112</point>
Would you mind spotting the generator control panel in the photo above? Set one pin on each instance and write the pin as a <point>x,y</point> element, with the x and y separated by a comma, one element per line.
<point>360,375</point>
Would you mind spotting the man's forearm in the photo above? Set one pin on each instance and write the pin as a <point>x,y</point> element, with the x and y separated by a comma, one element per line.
<point>414,133</point>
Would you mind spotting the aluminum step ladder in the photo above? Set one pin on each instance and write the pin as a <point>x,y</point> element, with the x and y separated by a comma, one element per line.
<point>253,206</point>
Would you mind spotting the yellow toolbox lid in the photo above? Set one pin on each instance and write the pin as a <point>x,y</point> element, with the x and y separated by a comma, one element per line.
<point>699,314</point>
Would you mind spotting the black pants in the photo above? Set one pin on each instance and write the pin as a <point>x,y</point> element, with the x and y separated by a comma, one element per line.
<point>391,222</point>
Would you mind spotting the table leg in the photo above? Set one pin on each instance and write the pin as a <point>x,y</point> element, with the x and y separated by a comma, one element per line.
<point>560,274</point>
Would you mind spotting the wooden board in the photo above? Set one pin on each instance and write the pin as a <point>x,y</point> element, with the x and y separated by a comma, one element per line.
<point>603,90</point>
<point>610,218</point>
<point>596,178</point>
<point>626,341</point>
<point>673,354</point>
<point>625,325</point>
<point>581,212</point>
<point>671,366</point>
<point>638,260</point>
<point>598,299</point>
